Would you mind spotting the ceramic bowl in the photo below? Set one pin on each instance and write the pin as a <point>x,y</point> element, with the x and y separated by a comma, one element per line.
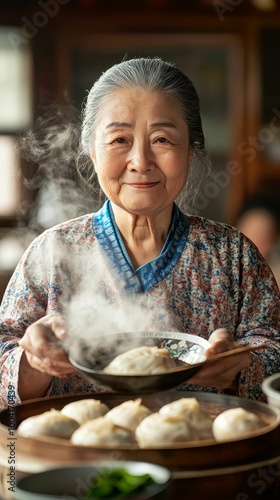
<point>271,388</point>
<point>73,482</point>
<point>91,357</point>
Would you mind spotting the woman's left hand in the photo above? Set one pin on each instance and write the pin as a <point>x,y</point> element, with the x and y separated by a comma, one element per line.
<point>223,374</point>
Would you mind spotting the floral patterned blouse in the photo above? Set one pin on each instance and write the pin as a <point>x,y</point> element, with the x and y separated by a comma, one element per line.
<point>207,276</point>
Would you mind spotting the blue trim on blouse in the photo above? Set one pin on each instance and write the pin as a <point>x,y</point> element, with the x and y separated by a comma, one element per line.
<point>147,276</point>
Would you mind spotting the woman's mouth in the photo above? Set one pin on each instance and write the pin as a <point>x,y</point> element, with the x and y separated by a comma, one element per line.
<point>143,185</point>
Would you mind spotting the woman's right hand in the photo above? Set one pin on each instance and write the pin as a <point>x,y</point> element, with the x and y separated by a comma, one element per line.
<point>43,348</point>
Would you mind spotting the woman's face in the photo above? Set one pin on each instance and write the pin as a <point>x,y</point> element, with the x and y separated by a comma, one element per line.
<point>141,150</point>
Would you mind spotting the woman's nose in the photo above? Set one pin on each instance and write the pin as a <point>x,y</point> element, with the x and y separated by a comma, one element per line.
<point>140,158</point>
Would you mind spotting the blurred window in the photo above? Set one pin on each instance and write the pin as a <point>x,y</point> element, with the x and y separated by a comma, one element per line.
<point>15,112</point>
<point>9,180</point>
<point>15,81</point>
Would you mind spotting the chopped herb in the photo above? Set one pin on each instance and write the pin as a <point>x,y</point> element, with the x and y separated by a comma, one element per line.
<point>114,483</point>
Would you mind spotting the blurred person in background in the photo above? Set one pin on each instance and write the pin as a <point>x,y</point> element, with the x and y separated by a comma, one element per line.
<point>259,220</point>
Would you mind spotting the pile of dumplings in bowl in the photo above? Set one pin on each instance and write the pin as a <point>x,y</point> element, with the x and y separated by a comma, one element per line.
<point>90,422</point>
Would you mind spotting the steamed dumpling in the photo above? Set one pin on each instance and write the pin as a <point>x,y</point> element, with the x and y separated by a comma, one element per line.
<point>141,361</point>
<point>101,431</point>
<point>189,409</point>
<point>129,414</point>
<point>234,423</point>
<point>85,409</point>
<point>50,423</point>
<point>158,430</point>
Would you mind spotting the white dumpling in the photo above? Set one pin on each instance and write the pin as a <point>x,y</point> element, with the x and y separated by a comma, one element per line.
<point>158,430</point>
<point>85,409</point>
<point>101,431</point>
<point>189,409</point>
<point>50,423</point>
<point>234,423</point>
<point>141,361</point>
<point>129,414</point>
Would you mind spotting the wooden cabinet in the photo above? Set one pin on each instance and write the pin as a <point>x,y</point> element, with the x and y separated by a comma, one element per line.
<point>261,143</point>
<point>269,134</point>
<point>232,60</point>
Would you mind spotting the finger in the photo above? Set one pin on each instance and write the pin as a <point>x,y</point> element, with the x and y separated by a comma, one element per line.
<point>35,344</point>
<point>223,367</point>
<point>222,373</point>
<point>58,326</point>
<point>220,347</point>
<point>50,367</point>
<point>46,356</point>
<point>38,338</point>
<point>48,328</point>
<point>221,340</point>
<point>220,334</point>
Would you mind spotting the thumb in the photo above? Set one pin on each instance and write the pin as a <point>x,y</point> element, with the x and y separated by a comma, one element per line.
<point>221,334</point>
<point>221,340</point>
<point>59,328</point>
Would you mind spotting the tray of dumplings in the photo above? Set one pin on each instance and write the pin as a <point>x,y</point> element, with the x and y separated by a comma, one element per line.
<point>179,430</point>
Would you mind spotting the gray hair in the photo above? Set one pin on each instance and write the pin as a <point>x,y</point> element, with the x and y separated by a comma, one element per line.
<point>156,75</point>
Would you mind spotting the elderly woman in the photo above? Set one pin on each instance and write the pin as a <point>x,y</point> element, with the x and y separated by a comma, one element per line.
<point>142,130</point>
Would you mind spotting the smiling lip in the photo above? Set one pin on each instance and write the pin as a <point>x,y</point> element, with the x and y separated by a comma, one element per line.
<point>139,185</point>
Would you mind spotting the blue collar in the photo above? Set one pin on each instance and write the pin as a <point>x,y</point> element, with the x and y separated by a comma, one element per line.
<point>147,276</point>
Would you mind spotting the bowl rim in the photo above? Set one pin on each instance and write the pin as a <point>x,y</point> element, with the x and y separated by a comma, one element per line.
<point>142,382</point>
<point>170,336</point>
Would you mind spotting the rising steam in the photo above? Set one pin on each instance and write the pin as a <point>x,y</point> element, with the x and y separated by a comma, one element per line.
<point>99,305</point>
<point>52,150</point>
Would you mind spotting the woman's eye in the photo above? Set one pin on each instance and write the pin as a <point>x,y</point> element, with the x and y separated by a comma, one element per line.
<point>161,139</point>
<point>120,140</point>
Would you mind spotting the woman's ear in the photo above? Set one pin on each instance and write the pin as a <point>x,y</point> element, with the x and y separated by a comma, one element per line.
<point>190,157</point>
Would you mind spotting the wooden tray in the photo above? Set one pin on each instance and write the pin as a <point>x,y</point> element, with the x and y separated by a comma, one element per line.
<point>196,455</point>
